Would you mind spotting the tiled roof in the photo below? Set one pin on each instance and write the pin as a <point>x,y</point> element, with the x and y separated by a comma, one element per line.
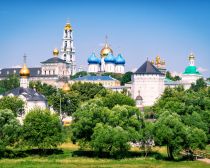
<point>28,93</point>
<point>148,68</point>
<point>53,60</point>
<point>94,78</point>
<point>10,71</point>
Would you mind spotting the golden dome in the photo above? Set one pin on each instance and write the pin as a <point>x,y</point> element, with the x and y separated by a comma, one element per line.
<point>191,56</point>
<point>68,27</point>
<point>66,87</point>
<point>55,52</point>
<point>106,50</point>
<point>24,72</point>
<point>157,60</point>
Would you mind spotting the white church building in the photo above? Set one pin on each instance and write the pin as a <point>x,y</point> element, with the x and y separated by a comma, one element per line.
<point>149,82</point>
<point>107,62</point>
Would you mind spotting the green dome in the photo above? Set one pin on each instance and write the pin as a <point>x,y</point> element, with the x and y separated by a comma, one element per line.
<point>191,70</point>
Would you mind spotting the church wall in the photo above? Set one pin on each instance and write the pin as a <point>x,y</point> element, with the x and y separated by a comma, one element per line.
<point>150,87</point>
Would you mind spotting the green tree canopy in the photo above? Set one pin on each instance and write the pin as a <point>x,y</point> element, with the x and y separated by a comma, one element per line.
<point>170,131</point>
<point>173,78</point>
<point>15,104</point>
<point>42,129</point>
<point>43,88</point>
<point>200,84</point>
<point>125,119</point>
<point>11,82</point>
<point>9,128</point>
<point>69,101</point>
<point>86,90</point>
<point>114,98</point>
<point>79,74</point>
<point>126,78</point>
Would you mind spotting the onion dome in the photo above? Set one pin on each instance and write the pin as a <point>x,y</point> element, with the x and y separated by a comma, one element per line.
<point>55,52</point>
<point>109,58</point>
<point>24,72</point>
<point>92,59</point>
<point>139,97</point>
<point>68,27</point>
<point>106,50</point>
<point>66,87</point>
<point>119,60</point>
<point>191,56</point>
<point>191,70</point>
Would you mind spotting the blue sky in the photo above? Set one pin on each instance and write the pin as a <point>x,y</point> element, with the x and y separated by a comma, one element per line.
<point>136,29</point>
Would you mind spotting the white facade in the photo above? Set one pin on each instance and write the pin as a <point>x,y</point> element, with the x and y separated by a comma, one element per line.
<point>93,68</point>
<point>151,86</point>
<point>67,49</point>
<point>120,69</point>
<point>109,67</point>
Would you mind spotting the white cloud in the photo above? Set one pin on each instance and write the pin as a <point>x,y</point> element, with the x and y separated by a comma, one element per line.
<point>16,66</point>
<point>200,69</point>
<point>134,70</point>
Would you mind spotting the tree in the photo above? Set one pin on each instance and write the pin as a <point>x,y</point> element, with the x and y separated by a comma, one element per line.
<point>42,129</point>
<point>126,78</point>
<point>114,98</point>
<point>170,131</point>
<point>113,140</point>
<point>125,119</point>
<point>113,75</point>
<point>9,128</point>
<point>86,90</point>
<point>69,101</point>
<point>15,104</point>
<point>79,74</point>
<point>147,140</point>
<point>11,82</point>
<point>200,84</point>
<point>173,78</point>
<point>43,88</point>
<point>196,139</point>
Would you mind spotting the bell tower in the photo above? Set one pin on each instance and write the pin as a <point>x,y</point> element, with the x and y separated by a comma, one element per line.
<point>67,48</point>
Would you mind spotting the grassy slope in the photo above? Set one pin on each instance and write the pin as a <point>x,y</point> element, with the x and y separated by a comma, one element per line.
<point>66,160</point>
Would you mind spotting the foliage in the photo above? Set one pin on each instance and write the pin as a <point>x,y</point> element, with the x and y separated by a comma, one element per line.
<point>170,131</point>
<point>114,98</point>
<point>9,128</point>
<point>126,78</point>
<point>110,139</point>
<point>43,88</point>
<point>192,108</point>
<point>69,101</point>
<point>13,103</point>
<point>42,129</point>
<point>11,82</point>
<point>200,84</point>
<point>86,90</point>
<point>125,119</point>
<point>173,78</point>
<point>79,74</point>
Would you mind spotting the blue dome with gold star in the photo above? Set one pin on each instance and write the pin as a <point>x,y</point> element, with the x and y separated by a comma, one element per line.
<point>119,60</point>
<point>92,59</point>
<point>109,58</point>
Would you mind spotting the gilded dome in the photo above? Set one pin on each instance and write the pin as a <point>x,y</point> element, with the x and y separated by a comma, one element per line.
<point>191,56</point>
<point>68,27</point>
<point>66,87</point>
<point>24,72</point>
<point>55,52</point>
<point>106,50</point>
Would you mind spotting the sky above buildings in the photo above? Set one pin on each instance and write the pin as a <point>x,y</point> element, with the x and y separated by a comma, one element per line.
<point>137,29</point>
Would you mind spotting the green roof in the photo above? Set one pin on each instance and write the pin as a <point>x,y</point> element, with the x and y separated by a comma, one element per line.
<point>191,70</point>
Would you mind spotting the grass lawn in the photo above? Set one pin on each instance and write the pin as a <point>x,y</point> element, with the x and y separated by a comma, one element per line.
<point>67,160</point>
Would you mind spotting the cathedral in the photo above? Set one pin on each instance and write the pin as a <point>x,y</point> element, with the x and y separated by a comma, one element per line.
<point>107,62</point>
<point>149,81</point>
<point>55,70</point>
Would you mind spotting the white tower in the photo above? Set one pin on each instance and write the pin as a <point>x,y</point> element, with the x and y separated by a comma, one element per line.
<point>67,48</point>
<point>150,81</point>
<point>24,75</point>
